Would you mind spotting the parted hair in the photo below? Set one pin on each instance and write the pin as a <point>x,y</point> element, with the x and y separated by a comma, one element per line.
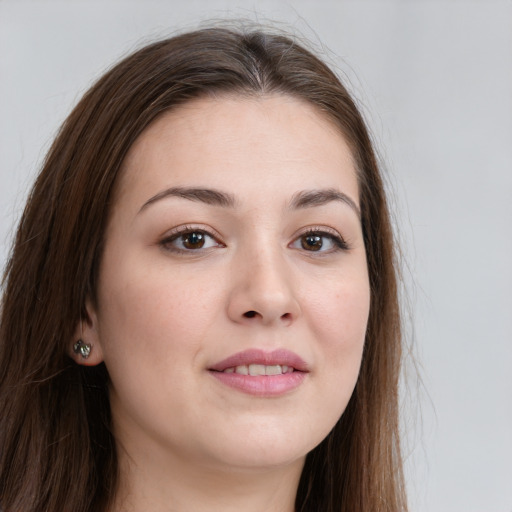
<point>57,452</point>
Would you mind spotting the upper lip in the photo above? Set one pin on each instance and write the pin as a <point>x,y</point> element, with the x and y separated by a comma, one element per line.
<point>258,356</point>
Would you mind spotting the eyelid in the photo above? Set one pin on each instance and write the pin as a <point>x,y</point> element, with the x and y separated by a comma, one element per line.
<point>176,232</point>
<point>338,239</point>
<point>184,228</point>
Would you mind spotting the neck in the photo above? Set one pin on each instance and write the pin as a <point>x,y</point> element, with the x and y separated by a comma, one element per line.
<point>181,486</point>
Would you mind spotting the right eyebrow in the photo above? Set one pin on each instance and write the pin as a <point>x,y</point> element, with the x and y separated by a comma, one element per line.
<point>202,195</point>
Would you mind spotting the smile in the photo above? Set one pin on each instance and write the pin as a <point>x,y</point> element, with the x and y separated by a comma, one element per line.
<point>259,369</point>
<point>260,373</point>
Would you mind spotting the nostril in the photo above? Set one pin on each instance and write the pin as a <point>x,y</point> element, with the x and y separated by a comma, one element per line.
<point>286,316</point>
<point>250,314</point>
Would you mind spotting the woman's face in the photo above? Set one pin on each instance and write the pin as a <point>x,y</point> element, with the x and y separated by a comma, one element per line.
<point>233,293</point>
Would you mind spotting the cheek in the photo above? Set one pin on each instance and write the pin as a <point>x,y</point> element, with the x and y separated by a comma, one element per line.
<point>153,319</point>
<point>338,320</point>
<point>153,326</point>
<point>156,300</point>
<point>340,309</point>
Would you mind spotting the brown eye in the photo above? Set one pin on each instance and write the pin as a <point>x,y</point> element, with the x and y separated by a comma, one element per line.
<point>322,242</point>
<point>193,240</point>
<point>190,241</point>
<point>311,242</point>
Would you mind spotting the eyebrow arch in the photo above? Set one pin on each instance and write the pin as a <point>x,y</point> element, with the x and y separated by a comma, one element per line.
<point>309,198</point>
<point>202,195</point>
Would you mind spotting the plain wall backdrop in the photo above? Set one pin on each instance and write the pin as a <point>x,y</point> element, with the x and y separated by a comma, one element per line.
<point>435,78</point>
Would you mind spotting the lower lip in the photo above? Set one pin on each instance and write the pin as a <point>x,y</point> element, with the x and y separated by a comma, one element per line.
<point>262,385</point>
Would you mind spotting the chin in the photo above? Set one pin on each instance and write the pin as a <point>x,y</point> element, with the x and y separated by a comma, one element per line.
<point>254,460</point>
<point>267,446</point>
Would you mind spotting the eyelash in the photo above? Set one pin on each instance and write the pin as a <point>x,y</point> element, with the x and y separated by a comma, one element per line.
<point>338,242</point>
<point>166,243</point>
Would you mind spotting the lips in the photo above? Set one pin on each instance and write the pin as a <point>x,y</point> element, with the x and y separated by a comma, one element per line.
<point>260,369</point>
<point>256,357</point>
<point>261,373</point>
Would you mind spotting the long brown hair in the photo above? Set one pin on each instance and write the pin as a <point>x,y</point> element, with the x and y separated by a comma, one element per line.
<point>56,448</point>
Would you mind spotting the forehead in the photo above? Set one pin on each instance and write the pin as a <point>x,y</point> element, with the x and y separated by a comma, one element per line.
<point>241,143</point>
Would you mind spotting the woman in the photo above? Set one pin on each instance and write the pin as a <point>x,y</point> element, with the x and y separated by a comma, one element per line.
<point>200,309</point>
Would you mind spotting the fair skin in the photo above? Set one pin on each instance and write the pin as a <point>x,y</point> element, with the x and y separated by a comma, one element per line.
<point>234,230</point>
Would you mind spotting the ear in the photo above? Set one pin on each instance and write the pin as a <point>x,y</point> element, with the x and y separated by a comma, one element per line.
<point>87,336</point>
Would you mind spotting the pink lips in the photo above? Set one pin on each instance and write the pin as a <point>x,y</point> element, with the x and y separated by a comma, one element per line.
<point>262,385</point>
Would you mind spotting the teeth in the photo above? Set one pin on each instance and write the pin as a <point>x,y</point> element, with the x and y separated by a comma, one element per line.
<point>260,369</point>
<point>243,370</point>
<point>256,369</point>
<point>273,370</point>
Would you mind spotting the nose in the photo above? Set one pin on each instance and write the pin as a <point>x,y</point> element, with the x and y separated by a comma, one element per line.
<point>263,290</point>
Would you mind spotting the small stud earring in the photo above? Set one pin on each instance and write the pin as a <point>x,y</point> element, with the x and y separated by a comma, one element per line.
<point>82,348</point>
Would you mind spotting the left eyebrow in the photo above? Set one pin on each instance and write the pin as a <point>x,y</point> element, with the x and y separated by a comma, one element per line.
<point>309,198</point>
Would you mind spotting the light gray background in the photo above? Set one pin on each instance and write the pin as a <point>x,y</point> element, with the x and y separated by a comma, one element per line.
<point>436,81</point>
